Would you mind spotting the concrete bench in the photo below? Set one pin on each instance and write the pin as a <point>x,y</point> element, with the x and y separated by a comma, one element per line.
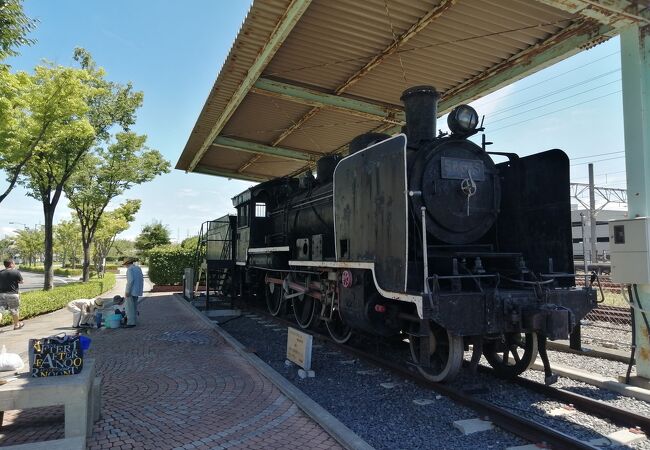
<point>79,394</point>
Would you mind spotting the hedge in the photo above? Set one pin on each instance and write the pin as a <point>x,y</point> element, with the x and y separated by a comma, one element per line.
<point>34,303</point>
<point>58,272</point>
<point>167,263</point>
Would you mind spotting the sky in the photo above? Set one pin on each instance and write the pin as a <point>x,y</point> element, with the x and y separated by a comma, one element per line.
<point>173,52</point>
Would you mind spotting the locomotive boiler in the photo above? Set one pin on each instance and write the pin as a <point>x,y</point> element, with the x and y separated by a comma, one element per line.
<point>421,236</point>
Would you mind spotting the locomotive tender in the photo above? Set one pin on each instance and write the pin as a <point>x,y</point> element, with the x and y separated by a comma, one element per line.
<point>422,237</point>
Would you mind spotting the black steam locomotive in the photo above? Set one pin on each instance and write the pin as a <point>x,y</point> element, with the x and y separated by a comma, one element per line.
<point>421,237</point>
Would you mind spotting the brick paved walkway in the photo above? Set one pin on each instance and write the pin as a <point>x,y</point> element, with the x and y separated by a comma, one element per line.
<point>172,382</point>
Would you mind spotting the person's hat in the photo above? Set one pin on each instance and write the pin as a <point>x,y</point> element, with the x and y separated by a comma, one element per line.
<point>129,260</point>
<point>99,302</point>
<point>118,299</point>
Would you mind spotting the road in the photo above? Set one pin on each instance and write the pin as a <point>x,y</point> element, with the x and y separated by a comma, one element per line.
<point>34,281</point>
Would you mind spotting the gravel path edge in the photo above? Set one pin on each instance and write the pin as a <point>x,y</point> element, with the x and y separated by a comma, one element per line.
<point>343,435</point>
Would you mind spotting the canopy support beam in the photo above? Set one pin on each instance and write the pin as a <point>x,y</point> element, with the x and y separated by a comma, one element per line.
<point>229,174</point>
<point>418,26</point>
<point>312,97</point>
<point>255,147</point>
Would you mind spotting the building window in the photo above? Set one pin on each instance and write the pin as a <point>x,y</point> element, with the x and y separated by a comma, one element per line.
<point>260,209</point>
<point>242,217</point>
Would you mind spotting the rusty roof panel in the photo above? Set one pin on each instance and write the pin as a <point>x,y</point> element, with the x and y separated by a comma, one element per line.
<point>261,119</point>
<point>272,167</point>
<point>225,158</point>
<point>335,39</point>
<point>328,131</point>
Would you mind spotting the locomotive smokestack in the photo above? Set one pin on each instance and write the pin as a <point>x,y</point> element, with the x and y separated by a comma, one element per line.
<point>421,107</point>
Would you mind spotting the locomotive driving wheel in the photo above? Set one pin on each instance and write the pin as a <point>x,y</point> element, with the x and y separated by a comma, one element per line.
<point>445,354</point>
<point>274,298</point>
<point>511,355</point>
<point>338,329</point>
<point>305,307</point>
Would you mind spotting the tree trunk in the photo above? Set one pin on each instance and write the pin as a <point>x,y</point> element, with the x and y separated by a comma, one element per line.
<point>63,259</point>
<point>48,283</point>
<point>86,264</point>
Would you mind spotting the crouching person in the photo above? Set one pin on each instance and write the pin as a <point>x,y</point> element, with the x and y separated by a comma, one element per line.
<point>83,311</point>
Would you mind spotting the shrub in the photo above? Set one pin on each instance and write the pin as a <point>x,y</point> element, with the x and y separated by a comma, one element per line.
<point>167,263</point>
<point>35,303</point>
<point>58,272</point>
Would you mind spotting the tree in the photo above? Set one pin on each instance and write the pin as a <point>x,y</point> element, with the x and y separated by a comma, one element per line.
<point>152,235</point>
<point>29,243</point>
<point>14,27</point>
<point>110,225</point>
<point>67,235</point>
<point>8,247</point>
<point>105,174</point>
<point>190,242</point>
<point>101,107</point>
<point>33,111</point>
<point>121,248</point>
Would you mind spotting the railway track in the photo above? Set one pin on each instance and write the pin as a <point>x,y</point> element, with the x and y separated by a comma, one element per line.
<point>501,417</point>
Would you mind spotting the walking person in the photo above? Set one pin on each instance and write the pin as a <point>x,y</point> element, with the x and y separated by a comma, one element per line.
<point>10,279</point>
<point>134,287</point>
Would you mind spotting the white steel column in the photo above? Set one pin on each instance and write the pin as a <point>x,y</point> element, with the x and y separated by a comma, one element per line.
<point>635,66</point>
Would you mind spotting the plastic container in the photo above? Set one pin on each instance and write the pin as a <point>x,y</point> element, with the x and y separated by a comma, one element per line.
<point>113,321</point>
<point>85,343</point>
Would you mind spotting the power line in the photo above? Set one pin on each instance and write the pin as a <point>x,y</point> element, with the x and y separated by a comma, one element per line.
<point>554,111</point>
<point>598,160</point>
<point>549,94</point>
<point>556,101</point>
<point>548,79</point>
<point>600,154</point>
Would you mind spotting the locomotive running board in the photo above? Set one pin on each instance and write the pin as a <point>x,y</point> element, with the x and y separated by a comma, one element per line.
<point>410,298</point>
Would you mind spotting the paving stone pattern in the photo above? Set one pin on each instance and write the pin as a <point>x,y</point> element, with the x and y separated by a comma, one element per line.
<point>173,383</point>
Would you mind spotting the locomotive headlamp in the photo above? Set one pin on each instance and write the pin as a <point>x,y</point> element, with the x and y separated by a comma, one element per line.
<point>463,119</point>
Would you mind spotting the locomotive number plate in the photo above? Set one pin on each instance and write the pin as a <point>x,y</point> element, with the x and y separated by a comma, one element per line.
<point>459,169</point>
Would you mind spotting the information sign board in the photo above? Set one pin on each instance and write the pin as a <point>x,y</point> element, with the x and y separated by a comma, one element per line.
<point>299,348</point>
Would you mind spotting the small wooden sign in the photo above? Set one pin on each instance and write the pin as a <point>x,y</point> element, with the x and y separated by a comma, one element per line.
<point>299,348</point>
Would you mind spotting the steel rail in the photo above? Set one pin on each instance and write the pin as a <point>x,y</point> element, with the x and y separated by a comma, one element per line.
<point>501,417</point>
<point>619,416</point>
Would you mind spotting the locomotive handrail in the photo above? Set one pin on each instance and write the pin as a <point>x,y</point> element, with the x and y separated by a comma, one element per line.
<point>447,277</point>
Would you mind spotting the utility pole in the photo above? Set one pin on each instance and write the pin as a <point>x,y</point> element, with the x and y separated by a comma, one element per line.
<point>592,214</point>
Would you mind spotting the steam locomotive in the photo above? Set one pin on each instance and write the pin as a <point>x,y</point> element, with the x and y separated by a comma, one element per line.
<point>422,237</point>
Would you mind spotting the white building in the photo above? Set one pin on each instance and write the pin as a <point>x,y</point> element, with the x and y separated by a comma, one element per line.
<point>602,232</point>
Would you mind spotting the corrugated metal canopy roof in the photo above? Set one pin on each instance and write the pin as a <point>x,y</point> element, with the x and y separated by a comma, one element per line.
<point>304,77</point>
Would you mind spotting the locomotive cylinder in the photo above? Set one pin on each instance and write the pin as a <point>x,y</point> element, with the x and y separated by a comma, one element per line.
<point>421,108</point>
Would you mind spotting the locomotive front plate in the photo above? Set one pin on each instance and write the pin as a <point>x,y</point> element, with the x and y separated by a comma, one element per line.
<point>459,169</point>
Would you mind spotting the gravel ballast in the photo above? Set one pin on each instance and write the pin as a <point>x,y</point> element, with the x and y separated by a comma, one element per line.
<point>390,412</point>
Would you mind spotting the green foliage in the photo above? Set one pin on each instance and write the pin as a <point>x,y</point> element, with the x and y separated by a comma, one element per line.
<point>58,271</point>
<point>35,303</point>
<point>153,235</point>
<point>121,248</point>
<point>67,241</point>
<point>110,225</point>
<point>190,243</point>
<point>98,108</point>
<point>8,248</point>
<point>30,244</point>
<point>167,264</point>
<point>14,27</point>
